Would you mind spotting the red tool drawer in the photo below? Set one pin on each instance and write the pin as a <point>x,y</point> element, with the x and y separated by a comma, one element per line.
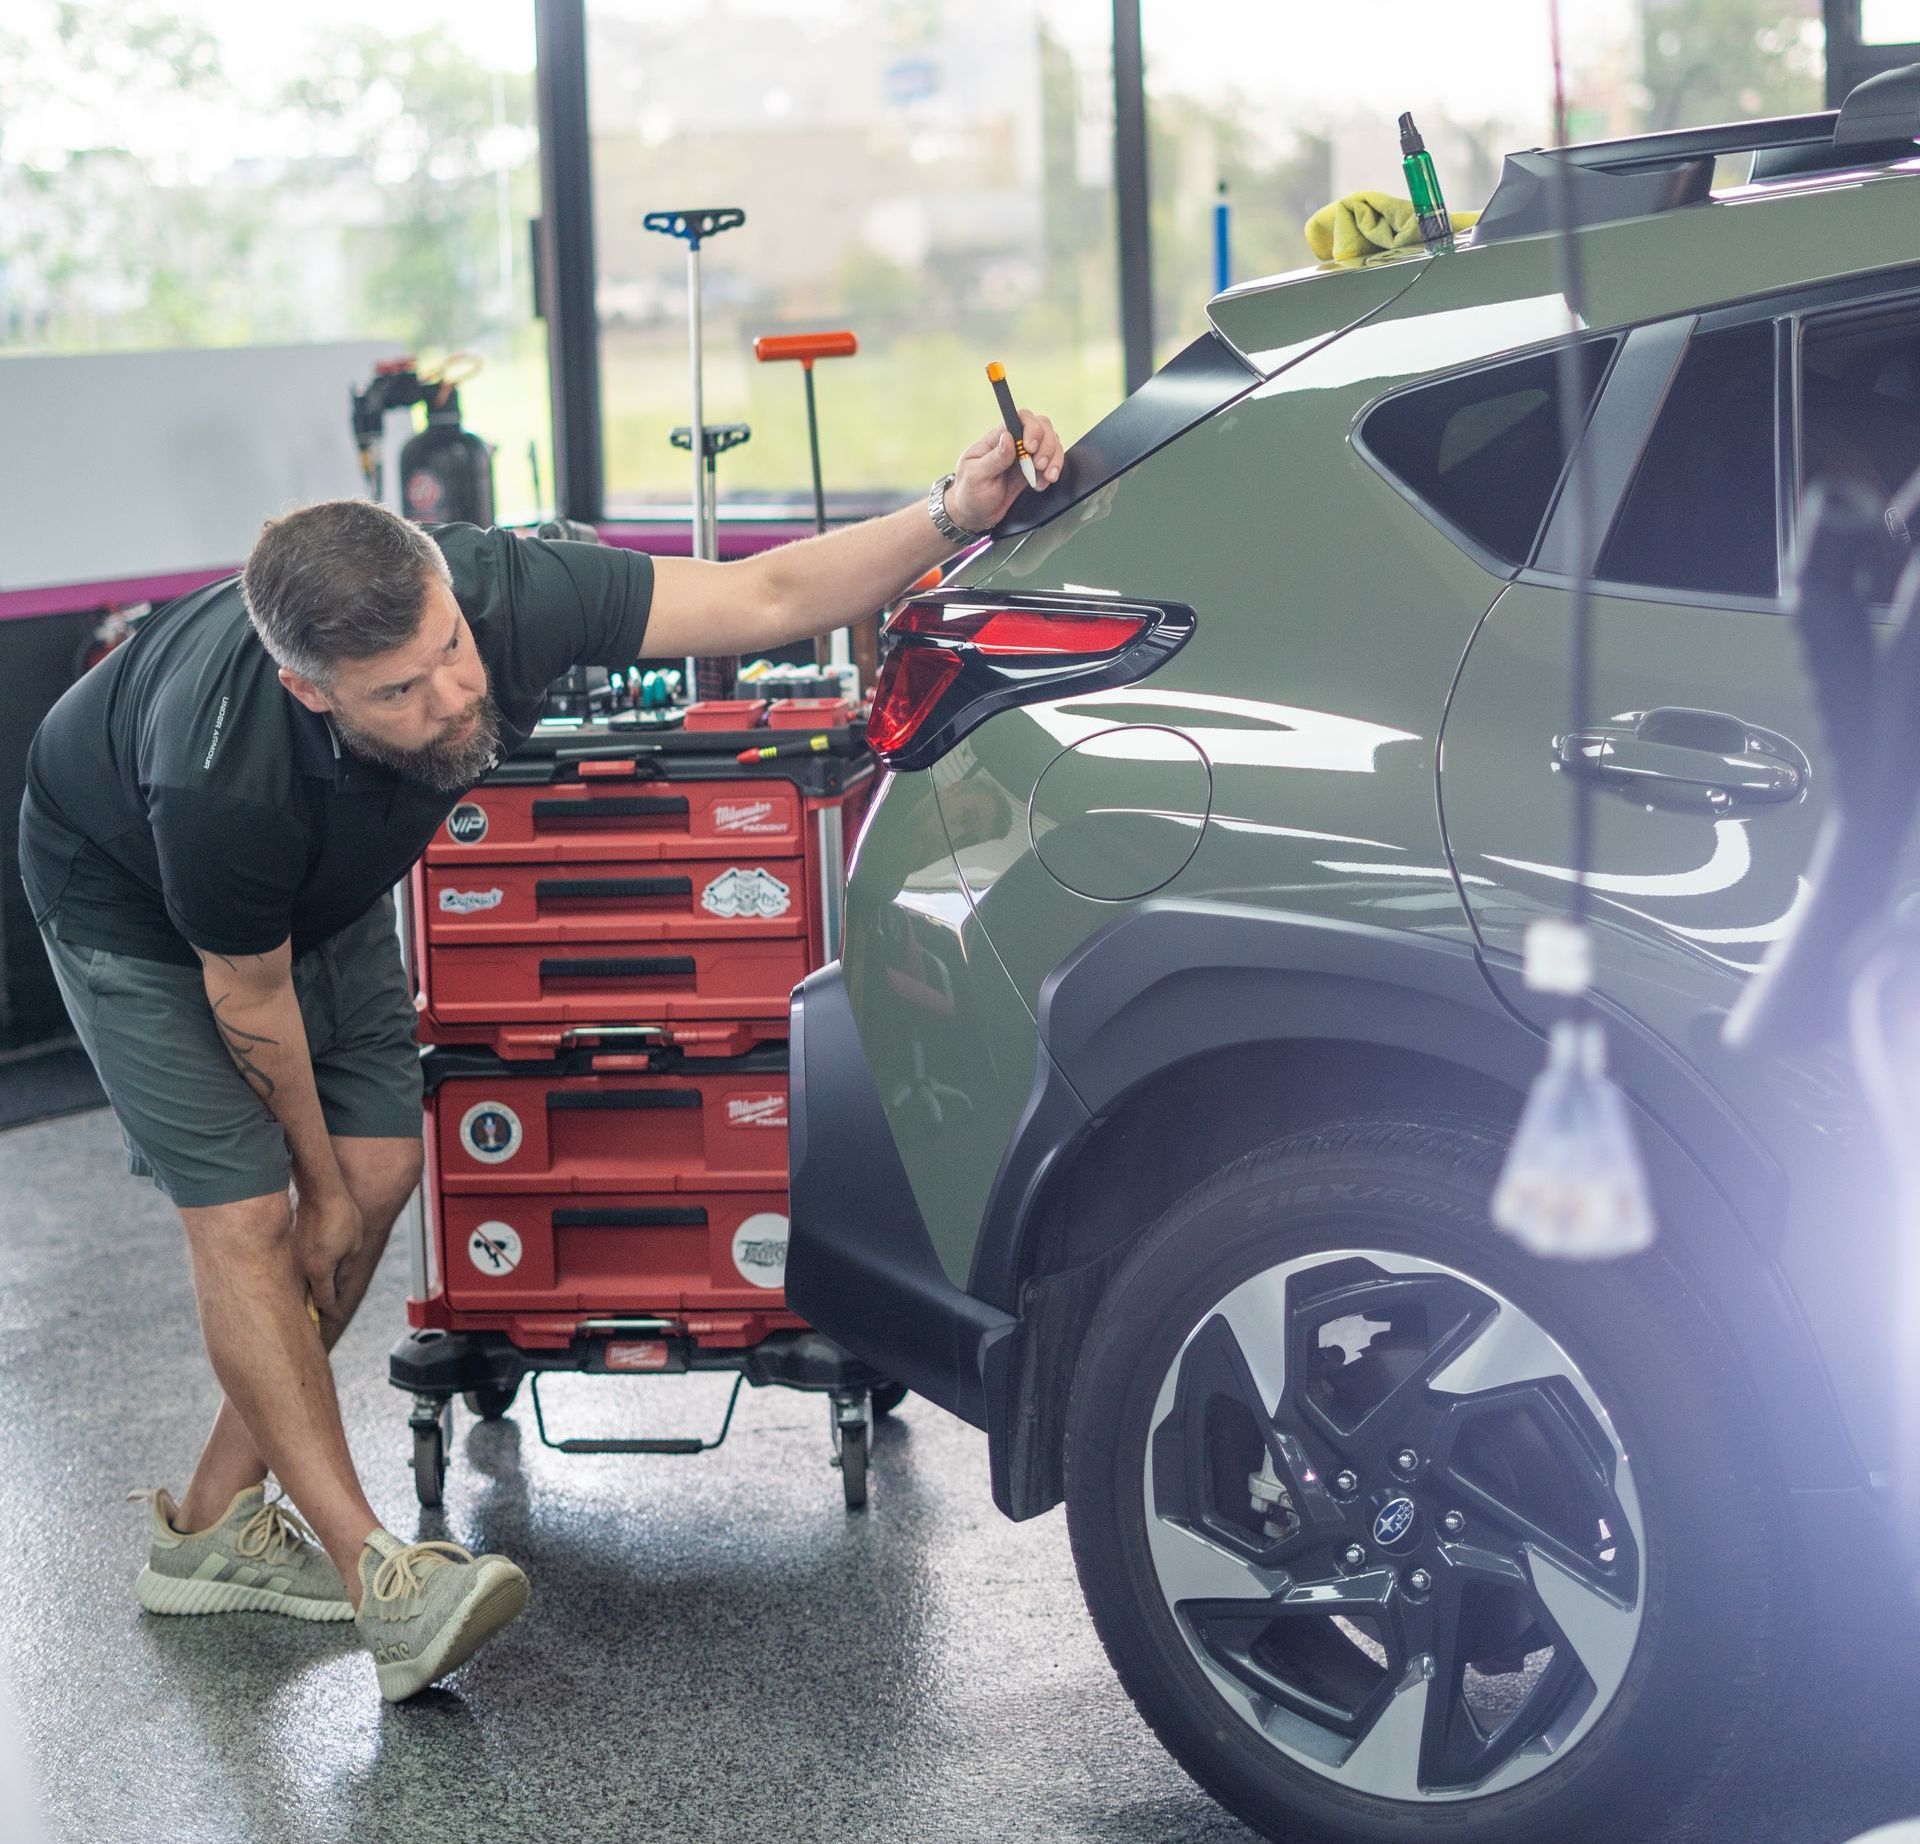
<point>622,1252</point>
<point>560,822</point>
<point>617,980</point>
<point>721,1124</point>
<point>612,900</point>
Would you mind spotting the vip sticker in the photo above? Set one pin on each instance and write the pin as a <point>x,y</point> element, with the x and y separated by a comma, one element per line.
<point>467,823</point>
<point>760,1250</point>
<point>490,1131</point>
<point>746,893</point>
<point>468,902</point>
<point>494,1248</point>
<point>756,1110</point>
<point>753,816</point>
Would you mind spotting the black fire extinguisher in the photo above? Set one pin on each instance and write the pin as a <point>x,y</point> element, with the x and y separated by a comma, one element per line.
<point>446,472</point>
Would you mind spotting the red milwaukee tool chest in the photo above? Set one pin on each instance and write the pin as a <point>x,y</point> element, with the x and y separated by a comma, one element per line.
<point>604,936</point>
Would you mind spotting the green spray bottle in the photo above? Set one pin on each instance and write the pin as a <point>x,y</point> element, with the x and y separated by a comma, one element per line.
<point>1423,187</point>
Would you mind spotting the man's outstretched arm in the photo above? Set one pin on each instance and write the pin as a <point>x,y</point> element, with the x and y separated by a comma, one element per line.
<point>815,586</point>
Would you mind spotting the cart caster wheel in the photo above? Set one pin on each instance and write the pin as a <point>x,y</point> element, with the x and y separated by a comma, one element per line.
<point>853,1466</point>
<point>491,1400</point>
<point>430,1466</point>
<point>887,1397</point>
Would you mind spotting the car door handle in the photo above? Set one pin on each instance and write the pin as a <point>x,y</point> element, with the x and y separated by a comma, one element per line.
<point>1675,752</point>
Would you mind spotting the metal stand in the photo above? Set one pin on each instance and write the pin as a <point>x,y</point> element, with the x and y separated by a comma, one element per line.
<point>716,440</point>
<point>693,226</point>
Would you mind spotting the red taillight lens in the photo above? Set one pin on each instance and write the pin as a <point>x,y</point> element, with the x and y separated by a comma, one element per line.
<point>1009,631</point>
<point>955,658</point>
<point>911,683</point>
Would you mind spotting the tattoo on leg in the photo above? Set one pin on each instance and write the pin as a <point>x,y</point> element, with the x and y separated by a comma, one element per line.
<point>240,1046</point>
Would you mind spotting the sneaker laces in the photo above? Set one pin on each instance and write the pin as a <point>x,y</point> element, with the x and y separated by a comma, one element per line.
<point>400,1575</point>
<point>272,1533</point>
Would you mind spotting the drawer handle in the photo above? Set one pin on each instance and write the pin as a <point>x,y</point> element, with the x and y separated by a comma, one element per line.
<point>638,1099</point>
<point>620,807</point>
<point>663,1216</point>
<point>635,966</point>
<point>547,887</point>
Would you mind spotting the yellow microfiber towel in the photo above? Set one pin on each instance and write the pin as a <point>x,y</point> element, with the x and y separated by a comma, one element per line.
<point>1366,223</point>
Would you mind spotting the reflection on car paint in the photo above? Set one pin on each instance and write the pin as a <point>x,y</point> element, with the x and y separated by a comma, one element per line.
<point>1732,859</point>
<point>1379,351</point>
<point>1348,869</point>
<point>1266,735</point>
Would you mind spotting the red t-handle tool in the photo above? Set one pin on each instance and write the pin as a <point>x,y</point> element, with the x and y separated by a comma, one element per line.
<point>806,347</point>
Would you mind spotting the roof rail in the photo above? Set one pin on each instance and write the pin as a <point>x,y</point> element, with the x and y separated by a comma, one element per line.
<point>1647,173</point>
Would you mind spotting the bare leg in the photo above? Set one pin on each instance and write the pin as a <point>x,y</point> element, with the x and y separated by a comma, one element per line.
<point>242,1258</point>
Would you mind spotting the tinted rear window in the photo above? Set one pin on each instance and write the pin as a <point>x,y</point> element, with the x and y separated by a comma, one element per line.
<point>1483,450</point>
<point>1700,513</point>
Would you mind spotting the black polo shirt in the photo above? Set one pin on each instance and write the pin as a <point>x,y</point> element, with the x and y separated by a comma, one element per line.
<point>179,796</point>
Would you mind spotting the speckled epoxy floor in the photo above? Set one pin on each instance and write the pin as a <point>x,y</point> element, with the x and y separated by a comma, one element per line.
<point>716,1649</point>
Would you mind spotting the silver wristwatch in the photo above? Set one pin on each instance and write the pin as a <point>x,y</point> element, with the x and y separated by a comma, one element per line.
<point>942,522</point>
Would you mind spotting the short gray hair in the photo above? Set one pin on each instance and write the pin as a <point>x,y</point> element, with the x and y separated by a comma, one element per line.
<point>343,579</point>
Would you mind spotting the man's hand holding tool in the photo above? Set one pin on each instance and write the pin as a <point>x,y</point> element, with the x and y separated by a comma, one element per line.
<point>992,474</point>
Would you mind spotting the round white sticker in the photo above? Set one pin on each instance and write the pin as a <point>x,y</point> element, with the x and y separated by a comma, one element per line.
<point>494,1248</point>
<point>490,1132</point>
<point>760,1250</point>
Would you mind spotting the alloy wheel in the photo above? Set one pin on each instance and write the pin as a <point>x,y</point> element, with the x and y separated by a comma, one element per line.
<point>1394,1525</point>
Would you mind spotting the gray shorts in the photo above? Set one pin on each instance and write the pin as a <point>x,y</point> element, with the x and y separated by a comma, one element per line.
<point>189,1119</point>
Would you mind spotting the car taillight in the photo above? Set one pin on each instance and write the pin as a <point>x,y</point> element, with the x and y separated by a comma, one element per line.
<point>956,656</point>
<point>911,684</point>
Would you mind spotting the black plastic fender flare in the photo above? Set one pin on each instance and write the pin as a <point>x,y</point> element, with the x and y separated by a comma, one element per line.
<point>1172,980</point>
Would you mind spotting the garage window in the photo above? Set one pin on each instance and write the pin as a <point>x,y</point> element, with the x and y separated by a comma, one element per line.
<point>1482,451</point>
<point>1700,515</point>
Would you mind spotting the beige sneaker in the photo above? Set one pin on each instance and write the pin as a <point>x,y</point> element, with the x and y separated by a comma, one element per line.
<point>259,1558</point>
<point>426,1608</point>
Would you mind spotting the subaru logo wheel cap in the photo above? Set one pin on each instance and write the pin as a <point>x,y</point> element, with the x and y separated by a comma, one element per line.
<point>1393,1520</point>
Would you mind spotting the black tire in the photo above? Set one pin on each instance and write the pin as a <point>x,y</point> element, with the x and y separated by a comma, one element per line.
<point>853,1466</point>
<point>430,1466</point>
<point>1704,1583</point>
<point>887,1397</point>
<point>492,1400</point>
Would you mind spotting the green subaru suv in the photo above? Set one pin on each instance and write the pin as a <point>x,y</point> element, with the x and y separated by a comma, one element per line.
<point>1150,1117</point>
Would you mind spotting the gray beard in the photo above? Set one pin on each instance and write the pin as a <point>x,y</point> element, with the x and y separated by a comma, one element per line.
<point>452,767</point>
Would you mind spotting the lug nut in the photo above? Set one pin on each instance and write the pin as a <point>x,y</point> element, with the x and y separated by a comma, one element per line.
<point>1354,1556</point>
<point>1453,1523</point>
<point>1346,1482</point>
<point>1419,1581</point>
<point>1406,1461</point>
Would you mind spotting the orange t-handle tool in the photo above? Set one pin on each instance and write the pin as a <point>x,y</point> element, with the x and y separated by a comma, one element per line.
<point>806,347</point>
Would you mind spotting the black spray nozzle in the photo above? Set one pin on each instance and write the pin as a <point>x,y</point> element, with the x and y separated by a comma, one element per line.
<point>1410,141</point>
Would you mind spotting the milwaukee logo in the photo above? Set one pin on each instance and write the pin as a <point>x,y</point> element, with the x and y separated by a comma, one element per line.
<point>754,816</point>
<point>756,1111</point>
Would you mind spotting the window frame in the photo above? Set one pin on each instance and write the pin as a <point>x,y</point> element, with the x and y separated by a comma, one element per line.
<point>1789,312</point>
<point>1630,428</point>
<point>1505,568</point>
